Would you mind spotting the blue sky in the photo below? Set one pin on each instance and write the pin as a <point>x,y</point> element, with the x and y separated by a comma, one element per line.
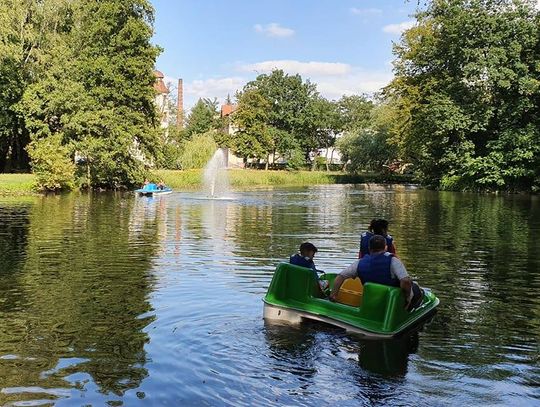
<point>216,46</point>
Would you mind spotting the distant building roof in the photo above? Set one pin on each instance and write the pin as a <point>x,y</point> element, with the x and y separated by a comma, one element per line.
<point>159,85</point>
<point>227,109</point>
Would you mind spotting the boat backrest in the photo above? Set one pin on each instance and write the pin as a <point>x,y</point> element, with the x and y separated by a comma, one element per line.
<point>292,282</point>
<point>383,303</point>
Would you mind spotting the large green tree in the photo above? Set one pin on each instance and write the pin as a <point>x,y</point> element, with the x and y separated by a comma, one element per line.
<point>253,137</point>
<point>96,92</point>
<point>467,87</point>
<point>28,30</point>
<point>290,112</point>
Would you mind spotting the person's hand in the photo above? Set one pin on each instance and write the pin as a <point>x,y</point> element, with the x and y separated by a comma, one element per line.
<point>407,304</point>
<point>332,297</point>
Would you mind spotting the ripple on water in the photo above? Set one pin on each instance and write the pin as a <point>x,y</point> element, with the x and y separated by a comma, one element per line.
<point>115,300</point>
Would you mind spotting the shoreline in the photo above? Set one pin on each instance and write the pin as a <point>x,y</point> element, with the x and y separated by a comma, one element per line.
<point>22,184</point>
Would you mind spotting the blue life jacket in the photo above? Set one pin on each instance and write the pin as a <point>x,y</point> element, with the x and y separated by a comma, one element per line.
<point>299,260</point>
<point>376,269</point>
<point>364,242</point>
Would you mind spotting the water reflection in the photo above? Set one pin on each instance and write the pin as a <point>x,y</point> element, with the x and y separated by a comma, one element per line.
<point>387,358</point>
<point>85,282</point>
<point>107,298</point>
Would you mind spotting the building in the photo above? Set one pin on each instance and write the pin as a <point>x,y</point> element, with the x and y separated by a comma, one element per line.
<point>227,110</point>
<point>162,99</point>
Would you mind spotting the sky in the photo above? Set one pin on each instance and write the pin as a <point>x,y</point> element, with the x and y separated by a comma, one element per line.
<point>216,46</point>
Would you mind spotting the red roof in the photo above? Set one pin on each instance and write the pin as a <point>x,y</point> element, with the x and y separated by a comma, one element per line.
<point>159,85</point>
<point>227,109</point>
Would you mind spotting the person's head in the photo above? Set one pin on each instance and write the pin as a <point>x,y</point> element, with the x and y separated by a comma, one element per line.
<point>308,250</point>
<point>372,224</point>
<point>377,244</point>
<point>380,227</point>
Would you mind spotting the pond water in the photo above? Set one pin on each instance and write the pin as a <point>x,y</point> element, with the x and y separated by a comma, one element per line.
<point>111,299</point>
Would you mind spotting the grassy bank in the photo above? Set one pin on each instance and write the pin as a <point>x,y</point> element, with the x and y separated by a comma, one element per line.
<point>16,184</point>
<point>22,184</point>
<point>246,178</point>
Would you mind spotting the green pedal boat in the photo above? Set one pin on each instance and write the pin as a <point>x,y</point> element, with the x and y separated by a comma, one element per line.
<point>294,295</point>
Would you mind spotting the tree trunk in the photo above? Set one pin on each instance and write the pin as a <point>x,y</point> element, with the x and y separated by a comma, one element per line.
<point>266,165</point>
<point>326,159</point>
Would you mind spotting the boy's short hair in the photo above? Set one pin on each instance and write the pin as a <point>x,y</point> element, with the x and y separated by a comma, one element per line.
<point>377,243</point>
<point>307,247</point>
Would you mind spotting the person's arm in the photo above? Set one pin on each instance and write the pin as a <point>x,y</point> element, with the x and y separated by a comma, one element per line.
<point>349,272</point>
<point>406,287</point>
<point>337,285</point>
<point>397,268</point>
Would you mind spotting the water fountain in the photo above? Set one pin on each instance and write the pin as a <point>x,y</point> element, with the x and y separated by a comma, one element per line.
<point>216,180</point>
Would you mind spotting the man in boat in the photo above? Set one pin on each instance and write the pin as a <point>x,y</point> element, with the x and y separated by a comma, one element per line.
<point>381,267</point>
<point>305,259</point>
<point>376,227</point>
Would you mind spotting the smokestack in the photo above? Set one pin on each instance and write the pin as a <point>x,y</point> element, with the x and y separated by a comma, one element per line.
<point>180,109</point>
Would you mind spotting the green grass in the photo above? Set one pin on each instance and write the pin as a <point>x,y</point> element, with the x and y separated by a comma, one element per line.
<point>17,184</point>
<point>247,178</point>
<point>22,184</point>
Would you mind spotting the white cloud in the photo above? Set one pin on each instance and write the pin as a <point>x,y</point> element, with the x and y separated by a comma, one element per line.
<point>357,82</point>
<point>333,79</point>
<point>211,88</point>
<point>398,28</point>
<point>302,68</point>
<point>274,30</point>
<point>365,11</point>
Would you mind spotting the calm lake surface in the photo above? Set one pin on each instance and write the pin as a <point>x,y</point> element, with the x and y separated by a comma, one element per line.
<point>111,299</point>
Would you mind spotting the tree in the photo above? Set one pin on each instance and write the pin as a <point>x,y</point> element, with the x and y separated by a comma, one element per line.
<point>198,151</point>
<point>96,91</point>
<point>204,116</point>
<point>28,30</point>
<point>369,146</point>
<point>324,125</point>
<point>355,112</point>
<point>289,98</point>
<point>52,164</point>
<point>467,84</point>
<point>253,137</point>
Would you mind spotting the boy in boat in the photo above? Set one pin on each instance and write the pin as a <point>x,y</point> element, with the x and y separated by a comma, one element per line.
<point>305,259</point>
<point>376,227</point>
<point>381,267</point>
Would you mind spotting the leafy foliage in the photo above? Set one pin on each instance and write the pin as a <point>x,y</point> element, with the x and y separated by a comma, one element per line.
<point>279,113</point>
<point>253,137</point>
<point>467,84</point>
<point>89,82</point>
<point>52,164</point>
<point>198,151</point>
<point>204,116</point>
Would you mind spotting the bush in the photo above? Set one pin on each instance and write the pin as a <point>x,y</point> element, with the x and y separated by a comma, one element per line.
<point>198,151</point>
<point>52,164</point>
<point>295,160</point>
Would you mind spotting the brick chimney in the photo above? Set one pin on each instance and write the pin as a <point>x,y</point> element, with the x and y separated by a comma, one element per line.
<point>180,109</point>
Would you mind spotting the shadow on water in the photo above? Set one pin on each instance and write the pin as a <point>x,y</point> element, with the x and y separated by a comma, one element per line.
<point>75,302</point>
<point>387,358</point>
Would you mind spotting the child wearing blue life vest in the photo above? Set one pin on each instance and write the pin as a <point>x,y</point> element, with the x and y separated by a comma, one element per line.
<point>376,227</point>
<point>305,259</point>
